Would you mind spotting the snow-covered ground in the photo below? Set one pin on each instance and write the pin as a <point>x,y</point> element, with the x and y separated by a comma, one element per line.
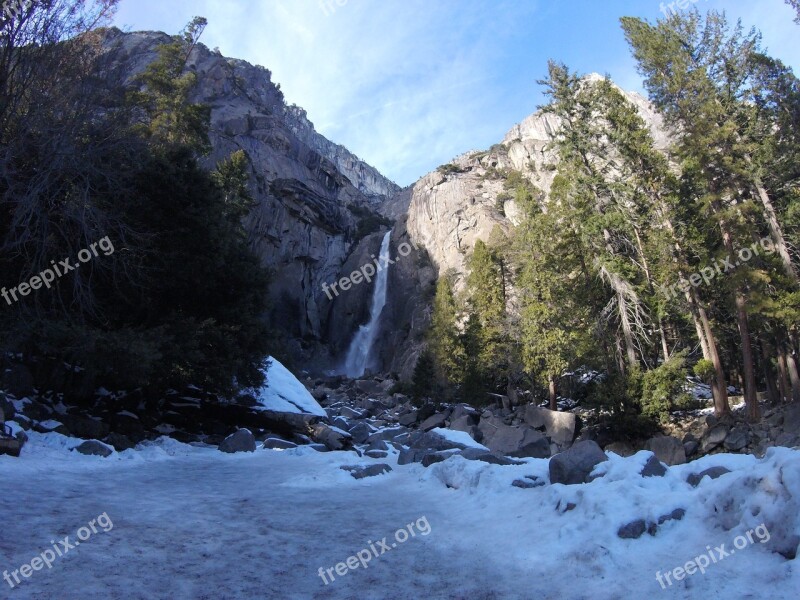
<point>195,523</point>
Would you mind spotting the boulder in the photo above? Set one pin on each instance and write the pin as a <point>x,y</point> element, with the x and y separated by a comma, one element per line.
<point>713,438</point>
<point>119,441</point>
<point>276,443</point>
<point>560,426</point>
<point>791,419</point>
<point>574,465</point>
<point>517,441</point>
<point>467,424</point>
<point>84,427</point>
<point>408,419</point>
<point>331,437</point>
<point>94,448</point>
<point>620,449</point>
<point>737,439</point>
<point>241,441</point>
<point>632,530</point>
<point>487,457</point>
<point>363,471</point>
<point>370,387</point>
<point>432,422</point>
<point>690,448</point>
<point>667,449</point>
<point>653,468</point>
<point>360,432</point>
<point>12,446</point>
<point>713,472</point>
<point>422,444</point>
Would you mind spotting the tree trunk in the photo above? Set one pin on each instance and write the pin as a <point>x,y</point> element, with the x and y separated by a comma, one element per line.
<point>783,375</point>
<point>750,392</point>
<point>719,387</point>
<point>767,352</point>
<point>552,389</point>
<point>750,395</point>
<point>775,232</point>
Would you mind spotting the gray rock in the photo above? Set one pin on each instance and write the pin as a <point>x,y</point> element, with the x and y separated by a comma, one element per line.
<point>690,448</point>
<point>526,484</point>
<point>422,444</point>
<point>713,438</point>
<point>391,433</point>
<point>789,440</point>
<point>632,530</point>
<point>737,439</point>
<point>360,432</point>
<point>560,426</point>
<point>94,448</point>
<point>276,443</point>
<point>467,424</point>
<point>620,449</point>
<point>364,471</point>
<point>516,441</point>
<point>432,422</point>
<point>487,457</point>
<point>461,410</point>
<point>241,441</point>
<point>653,468</point>
<point>675,515</point>
<point>119,441</point>
<point>436,457</point>
<point>331,438</point>
<point>369,387</point>
<point>791,419</point>
<point>408,419</point>
<point>667,449</point>
<point>85,427</point>
<point>713,472</point>
<point>376,453</point>
<point>575,465</point>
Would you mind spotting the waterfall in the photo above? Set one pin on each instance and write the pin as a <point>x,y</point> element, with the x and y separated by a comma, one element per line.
<point>358,355</point>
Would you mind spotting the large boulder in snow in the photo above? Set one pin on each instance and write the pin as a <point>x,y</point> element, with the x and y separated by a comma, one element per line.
<point>241,441</point>
<point>94,448</point>
<point>560,426</point>
<point>422,444</point>
<point>516,441</point>
<point>284,393</point>
<point>332,438</point>
<point>575,465</point>
<point>667,449</point>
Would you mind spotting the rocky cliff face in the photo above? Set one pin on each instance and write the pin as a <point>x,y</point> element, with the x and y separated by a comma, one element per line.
<point>312,195</point>
<point>453,207</point>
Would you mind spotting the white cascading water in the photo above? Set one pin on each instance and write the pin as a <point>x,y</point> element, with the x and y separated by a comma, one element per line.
<point>358,355</point>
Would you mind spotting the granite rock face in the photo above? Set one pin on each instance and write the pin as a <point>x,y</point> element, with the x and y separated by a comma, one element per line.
<point>312,195</point>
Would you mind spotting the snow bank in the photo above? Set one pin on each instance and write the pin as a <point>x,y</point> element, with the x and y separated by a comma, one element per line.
<point>283,392</point>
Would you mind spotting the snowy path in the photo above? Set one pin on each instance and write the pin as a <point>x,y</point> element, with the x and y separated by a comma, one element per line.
<point>201,524</point>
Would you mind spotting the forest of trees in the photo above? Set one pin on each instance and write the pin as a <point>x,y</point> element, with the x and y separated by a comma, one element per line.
<point>88,153</point>
<point>643,265</point>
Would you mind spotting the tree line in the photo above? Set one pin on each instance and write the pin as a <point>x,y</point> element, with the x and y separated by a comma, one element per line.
<point>580,283</point>
<point>88,151</point>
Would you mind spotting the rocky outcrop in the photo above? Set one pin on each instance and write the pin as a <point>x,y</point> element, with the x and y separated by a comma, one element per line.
<point>454,206</point>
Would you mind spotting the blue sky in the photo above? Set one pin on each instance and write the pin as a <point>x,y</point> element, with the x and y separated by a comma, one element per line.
<point>409,84</point>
